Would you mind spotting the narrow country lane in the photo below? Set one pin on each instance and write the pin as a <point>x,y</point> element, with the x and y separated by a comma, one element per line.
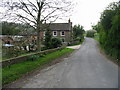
<point>84,68</point>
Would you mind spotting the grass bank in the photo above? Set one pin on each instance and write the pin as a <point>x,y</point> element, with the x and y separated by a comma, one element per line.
<point>10,74</point>
<point>111,54</point>
<point>96,36</point>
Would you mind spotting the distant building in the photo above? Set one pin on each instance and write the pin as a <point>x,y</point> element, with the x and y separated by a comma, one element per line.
<point>6,39</point>
<point>60,30</point>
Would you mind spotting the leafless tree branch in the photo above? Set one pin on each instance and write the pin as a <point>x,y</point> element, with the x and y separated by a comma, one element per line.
<point>36,12</point>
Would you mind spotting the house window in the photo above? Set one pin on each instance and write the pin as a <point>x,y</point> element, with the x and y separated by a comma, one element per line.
<point>44,33</point>
<point>62,33</point>
<point>54,33</point>
<point>63,40</point>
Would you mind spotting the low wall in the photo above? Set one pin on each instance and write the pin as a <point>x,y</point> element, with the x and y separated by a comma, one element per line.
<point>74,42</point>
<point>24,58</point>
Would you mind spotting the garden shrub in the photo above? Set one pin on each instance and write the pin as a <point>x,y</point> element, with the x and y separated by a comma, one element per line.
<point>33,58</point>
<point>56,42</point>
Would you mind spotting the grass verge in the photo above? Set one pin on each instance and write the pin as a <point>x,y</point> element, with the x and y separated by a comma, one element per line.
<point>111,58</point>
<point>14,72</point>
<point>104,52</point>
<point>96,37</point>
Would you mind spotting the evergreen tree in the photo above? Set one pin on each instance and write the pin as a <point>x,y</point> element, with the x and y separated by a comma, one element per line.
<point>48,39</point>
<point>56,42</point>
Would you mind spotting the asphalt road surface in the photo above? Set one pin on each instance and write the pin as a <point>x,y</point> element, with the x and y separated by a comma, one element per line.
<point>84,68</point>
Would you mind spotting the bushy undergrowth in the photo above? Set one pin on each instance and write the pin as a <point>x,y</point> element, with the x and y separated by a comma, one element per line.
<point>109,33</point>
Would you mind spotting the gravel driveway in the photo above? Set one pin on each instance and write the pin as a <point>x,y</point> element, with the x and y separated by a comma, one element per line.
<point>74,47</point>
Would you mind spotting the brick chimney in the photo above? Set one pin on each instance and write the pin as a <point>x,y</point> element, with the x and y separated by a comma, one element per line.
<point>69,21</point>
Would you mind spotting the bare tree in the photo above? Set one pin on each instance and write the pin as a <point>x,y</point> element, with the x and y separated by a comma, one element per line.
<point>35,12</point>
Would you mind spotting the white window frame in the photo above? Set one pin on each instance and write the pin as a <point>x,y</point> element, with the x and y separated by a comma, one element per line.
<point>61,33</point>
<point>54,34</point>
<point>44,33</point>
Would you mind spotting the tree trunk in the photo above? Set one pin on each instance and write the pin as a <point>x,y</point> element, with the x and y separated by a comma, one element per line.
<point>38,36</point>
<point>39,25</point>
<point>38,31</point>
<point>38,41</point>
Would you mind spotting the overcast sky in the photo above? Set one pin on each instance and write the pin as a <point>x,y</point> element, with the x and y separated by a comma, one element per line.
<point>87,12</point>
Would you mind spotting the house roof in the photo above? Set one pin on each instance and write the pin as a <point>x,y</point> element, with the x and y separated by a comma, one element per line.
<point>52,26</point>
<point>59,26</point>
